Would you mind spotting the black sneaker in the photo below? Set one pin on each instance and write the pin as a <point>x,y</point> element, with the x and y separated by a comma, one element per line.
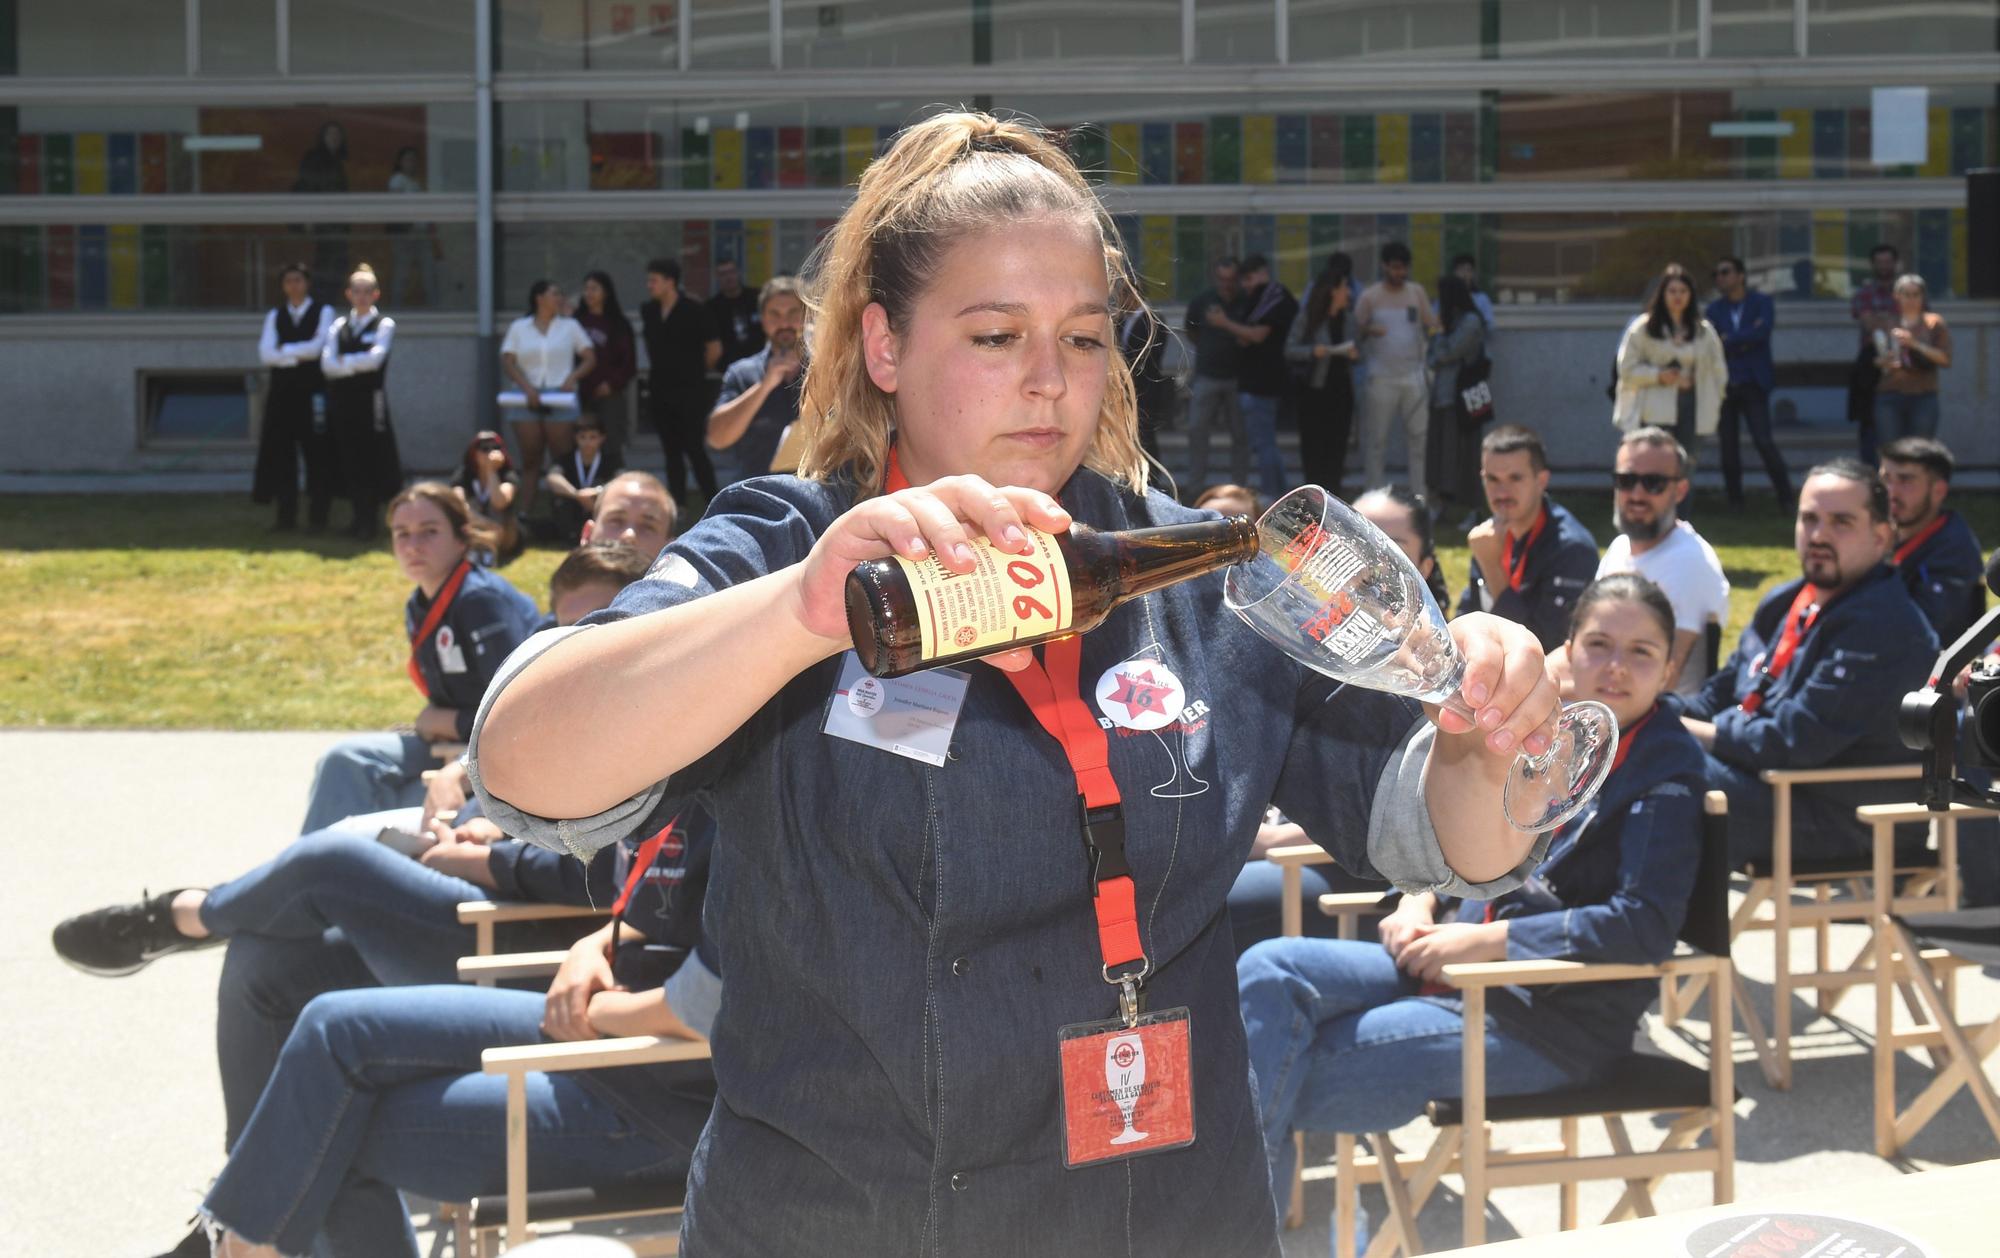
<point>124,938</point>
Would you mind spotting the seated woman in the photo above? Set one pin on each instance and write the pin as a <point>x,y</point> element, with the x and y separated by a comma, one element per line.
<point>379,1091</point>
<point>462,620</point>
<point>1256,901</point>
<point>1355,1037</point>
<point>491,488</point>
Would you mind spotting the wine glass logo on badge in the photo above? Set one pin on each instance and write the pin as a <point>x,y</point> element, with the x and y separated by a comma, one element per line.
<point>1333,592</point>
<point>1125,1075</point>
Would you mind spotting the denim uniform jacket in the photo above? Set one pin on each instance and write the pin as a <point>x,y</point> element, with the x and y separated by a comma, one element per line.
<point>1946,579</point>
<point>1835,704</point>
<point>1560,564</point>
<point>487,620</point>
<point>902,942</point>
<point>1614,889</point>
<point>1746,341</point>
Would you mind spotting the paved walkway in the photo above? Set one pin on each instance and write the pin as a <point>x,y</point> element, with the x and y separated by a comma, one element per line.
<point>114,1119</point>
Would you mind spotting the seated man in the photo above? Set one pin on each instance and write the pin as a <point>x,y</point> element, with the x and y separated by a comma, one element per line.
<point>1648,487</point>
<point>575,484</point>
<point>379,1092</point>
<point>1531,558</point>
<point>1818,676</point>
<point>1936,553</point>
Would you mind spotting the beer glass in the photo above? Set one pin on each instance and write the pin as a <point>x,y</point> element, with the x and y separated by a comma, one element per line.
<point>1334,593</point>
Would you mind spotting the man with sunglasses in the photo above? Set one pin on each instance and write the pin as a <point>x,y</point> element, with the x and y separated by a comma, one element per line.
<point>1650,483</point>
<point>1745,318</point>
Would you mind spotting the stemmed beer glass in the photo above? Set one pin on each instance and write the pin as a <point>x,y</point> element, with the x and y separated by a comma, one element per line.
<point>1334,593</point>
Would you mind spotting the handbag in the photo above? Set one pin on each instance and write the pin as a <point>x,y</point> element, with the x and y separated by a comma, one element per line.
<point>1475,391</point>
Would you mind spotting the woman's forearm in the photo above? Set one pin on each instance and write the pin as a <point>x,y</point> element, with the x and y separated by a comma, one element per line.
<point>1463,788</point>
<point>514,373</point>
<point>609,712</point>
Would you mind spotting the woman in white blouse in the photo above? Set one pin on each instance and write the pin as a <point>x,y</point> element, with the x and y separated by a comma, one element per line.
<point>1671,373</point>
<point>546,351</point>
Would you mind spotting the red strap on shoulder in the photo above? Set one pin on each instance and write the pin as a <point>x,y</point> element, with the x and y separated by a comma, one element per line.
<point>447,594</point>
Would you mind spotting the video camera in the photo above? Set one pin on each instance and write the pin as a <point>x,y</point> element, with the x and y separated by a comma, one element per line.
<point>1928,721</point>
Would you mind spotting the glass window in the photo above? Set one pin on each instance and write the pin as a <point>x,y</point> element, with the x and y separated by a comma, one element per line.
<point>731,34</point>
<point>145,150</point>
<point>1235,31</point>
<point>196,407</point>
<point>1751,28</point>
<point>1869,28</point>
<point>239,37</point>
<point>763,247</point>
<point>545,36</point>
<point>97,37</point>
<point>64,268</point>
<point>1598,28</point>
<point>381,37</point>
<point>875,33</point>
<point>1114,30</point>
<point>1332,30</point>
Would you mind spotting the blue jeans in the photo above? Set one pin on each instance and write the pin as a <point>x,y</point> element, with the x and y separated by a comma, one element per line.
<point>1260,425</point>
<point>1904,415</point>
<point>380,1091</point>
<point>367,773</point>
<point>1339,1042</point>
<point>332,911</point>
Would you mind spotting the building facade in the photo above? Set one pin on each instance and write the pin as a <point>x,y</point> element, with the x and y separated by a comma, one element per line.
<point>160,162</point>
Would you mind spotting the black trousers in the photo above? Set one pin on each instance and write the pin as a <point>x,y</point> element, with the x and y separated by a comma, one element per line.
<point>680,417</point>
<point>290,437</point>
<point>1749,404</point>
<point>1326,422</point>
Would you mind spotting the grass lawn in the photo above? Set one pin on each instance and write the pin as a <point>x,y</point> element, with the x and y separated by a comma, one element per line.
<point>180,612</point>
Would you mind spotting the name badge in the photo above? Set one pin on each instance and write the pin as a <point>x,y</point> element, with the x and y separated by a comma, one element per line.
<point>1127,1090</point>
<point>910,716</point>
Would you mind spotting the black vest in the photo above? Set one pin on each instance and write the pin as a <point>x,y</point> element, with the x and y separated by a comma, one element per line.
<point>353,340</point>
<point>306,375</point>
<point>290,332</point>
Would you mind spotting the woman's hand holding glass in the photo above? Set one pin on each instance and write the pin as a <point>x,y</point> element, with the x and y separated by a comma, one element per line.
<point>1507,685</point>
<point>943,517</point>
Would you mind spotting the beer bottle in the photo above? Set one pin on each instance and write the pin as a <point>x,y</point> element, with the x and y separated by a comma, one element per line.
<point>907,615</point>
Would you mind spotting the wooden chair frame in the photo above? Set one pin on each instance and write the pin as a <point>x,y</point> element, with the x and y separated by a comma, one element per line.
<point>1930,890</point>
<point>484,915</point>
<point>1928,981</point>
<point>1408,1181</point>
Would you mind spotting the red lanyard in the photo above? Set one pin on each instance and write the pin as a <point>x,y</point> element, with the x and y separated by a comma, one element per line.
<point>1807,604</point>
<point>1627,737</point>
<point>439,606</point>
<point>1909,548</point>
<point>1052,693</point>
<point>1515,571</point>
<point>649,851</point>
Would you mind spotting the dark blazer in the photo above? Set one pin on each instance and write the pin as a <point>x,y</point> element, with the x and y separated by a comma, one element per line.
<point>1946,579</point>
<point>1746,341</point>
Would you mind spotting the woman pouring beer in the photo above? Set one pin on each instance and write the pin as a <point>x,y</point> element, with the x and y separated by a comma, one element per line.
<point>972,919</point>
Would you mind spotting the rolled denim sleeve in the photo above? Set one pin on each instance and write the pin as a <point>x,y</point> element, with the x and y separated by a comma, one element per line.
<point>1402,843</point>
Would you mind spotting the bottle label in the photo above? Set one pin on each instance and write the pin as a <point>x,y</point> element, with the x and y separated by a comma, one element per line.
<point>1004,599</point>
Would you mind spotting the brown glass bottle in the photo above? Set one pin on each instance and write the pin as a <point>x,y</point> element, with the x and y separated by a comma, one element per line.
<point>905,615</point>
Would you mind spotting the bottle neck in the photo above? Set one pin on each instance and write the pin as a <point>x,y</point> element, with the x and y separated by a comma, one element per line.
<point>1151,559</point>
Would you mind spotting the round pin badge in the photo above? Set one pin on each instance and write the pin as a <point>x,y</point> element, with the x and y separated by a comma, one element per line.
<point>866,697</point>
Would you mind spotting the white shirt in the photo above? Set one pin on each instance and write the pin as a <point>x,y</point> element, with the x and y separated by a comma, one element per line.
<point>1686,569</point>
<point>335,364</point>
<point>272,354</point>
<point>546,358</point>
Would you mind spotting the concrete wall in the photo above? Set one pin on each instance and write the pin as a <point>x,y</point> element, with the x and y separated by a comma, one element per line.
<point>79,378</point>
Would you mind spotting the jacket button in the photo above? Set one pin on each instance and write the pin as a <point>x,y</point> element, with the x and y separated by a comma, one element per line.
<point>960,1181</point>
<point>961,966</point>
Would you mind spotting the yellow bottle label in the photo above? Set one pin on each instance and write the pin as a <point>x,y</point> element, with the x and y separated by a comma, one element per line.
<point>1004,599</point>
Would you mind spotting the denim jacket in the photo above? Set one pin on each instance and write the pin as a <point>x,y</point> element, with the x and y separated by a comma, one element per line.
<point>1614,889</point>
<point>1560,564</point>
<point>902,942</point>
<point>1835,704</point>
<point>487,620</point>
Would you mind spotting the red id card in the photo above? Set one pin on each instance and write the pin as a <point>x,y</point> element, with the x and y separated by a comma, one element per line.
<point>1126,1091</point>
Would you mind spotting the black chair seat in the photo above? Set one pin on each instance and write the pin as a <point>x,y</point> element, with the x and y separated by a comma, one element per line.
<point>1860,866</point>
<point>1639,1083</point>
<point>582,1203</point>
<point>1969,934</point>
